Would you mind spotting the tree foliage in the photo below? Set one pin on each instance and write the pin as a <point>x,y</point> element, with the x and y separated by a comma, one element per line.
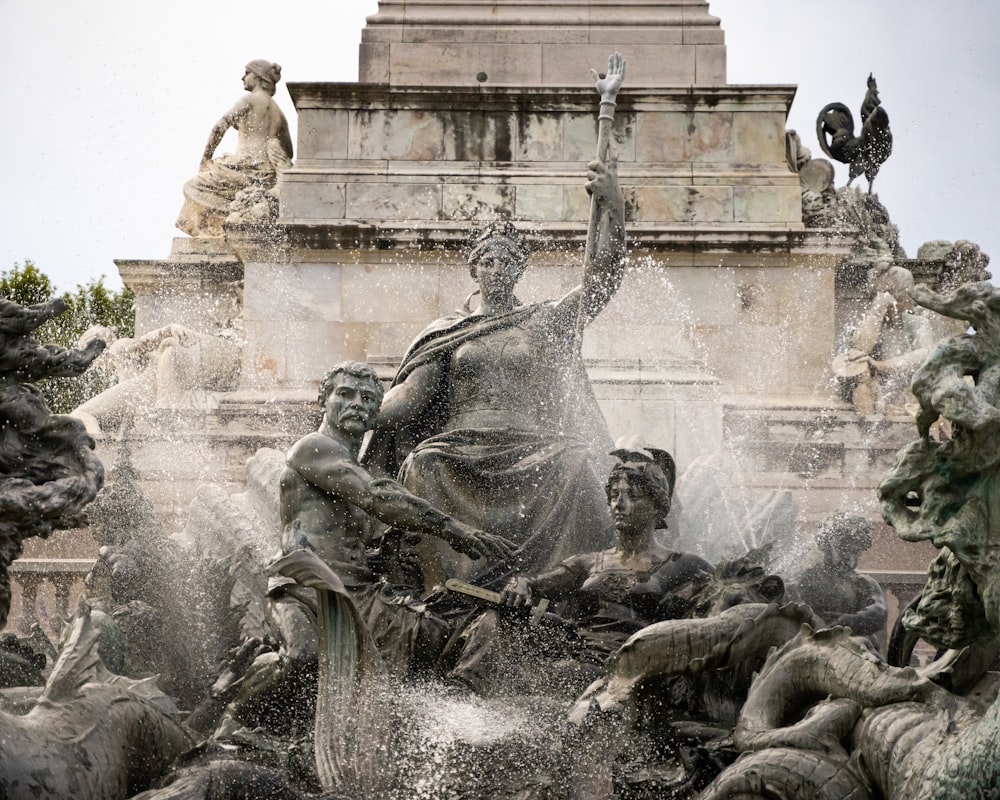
<point>91,303</point>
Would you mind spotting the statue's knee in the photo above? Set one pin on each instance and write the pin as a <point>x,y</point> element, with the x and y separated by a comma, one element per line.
<point>424,473</point>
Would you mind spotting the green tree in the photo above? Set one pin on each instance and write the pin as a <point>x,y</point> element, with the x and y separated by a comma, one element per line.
<point>26,285</point>
<point>91,303</point>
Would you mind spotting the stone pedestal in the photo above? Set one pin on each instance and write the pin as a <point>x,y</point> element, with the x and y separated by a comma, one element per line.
<point>468,112</point>
<point>544,43</point>
<point>428,159</point>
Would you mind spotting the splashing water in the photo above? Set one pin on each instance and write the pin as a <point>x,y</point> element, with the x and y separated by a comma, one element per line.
<point>463,745</point>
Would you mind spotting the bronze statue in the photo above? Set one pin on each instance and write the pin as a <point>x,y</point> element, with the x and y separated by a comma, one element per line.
<point>48,468</point>
<point>491,416</point>
<point>330,506</point>
<point>940,384</point>
<point>90,735</point>
<point>882,731</point>
<point>835,591</point>
<point>607,595</point>
<point>329,501</point>
<point>264,151</point>
<point>866,152</point>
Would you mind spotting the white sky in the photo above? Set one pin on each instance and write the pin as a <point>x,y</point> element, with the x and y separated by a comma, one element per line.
<point>107,106</point>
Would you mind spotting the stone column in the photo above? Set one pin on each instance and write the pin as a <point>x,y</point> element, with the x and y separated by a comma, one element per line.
<point>544,43</point>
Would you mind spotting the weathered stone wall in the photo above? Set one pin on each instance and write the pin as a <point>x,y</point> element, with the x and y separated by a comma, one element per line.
<point>417,156</point>
<point>389,181</point>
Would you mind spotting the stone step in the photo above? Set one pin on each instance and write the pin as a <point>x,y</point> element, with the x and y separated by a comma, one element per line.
<point>805,444</point>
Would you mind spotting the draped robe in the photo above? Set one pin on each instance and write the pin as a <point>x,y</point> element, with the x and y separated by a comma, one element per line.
<point>540,487</point>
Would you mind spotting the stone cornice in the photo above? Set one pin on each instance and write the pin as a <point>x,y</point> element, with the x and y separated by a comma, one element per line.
<point>360,97</point>
<point>429,236</point>
<point>550,172</point>
<point>136,273</point>
<point>500,14</point>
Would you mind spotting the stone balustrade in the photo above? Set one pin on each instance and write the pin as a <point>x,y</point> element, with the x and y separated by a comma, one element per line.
<point>44,589</point>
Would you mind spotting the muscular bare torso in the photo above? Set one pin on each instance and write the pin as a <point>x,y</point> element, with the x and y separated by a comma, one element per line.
<point>311,517</point>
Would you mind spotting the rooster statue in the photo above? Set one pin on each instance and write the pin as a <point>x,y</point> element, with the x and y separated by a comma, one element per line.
<point>866,152</point>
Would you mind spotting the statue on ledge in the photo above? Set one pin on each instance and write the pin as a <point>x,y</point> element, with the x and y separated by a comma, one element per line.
<point>866,152</point>
<point>264,151</point>
<point>888,344</point>
<point>169,367</point>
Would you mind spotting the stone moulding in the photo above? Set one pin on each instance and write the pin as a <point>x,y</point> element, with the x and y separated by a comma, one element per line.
<point>429,236</point>
<point>323,94</point>
<point>164,273</point>
<point>662,13</point>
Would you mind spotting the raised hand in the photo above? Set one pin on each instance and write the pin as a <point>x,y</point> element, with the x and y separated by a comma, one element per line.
<point>609,85</point>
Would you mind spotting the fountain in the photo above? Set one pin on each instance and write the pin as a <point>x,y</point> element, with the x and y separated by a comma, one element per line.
<point>738,242</point>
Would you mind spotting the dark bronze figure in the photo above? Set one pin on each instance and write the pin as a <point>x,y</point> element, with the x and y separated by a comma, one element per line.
<point>866,152</point>
<point>606,596</point>
<point>833,588</point>
<point>48,470</point>
<point>331,506</point>
<point>491,416</point>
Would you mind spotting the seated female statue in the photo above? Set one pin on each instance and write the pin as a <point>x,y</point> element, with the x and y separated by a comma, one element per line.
<point>491,417</point>
<point>263,151</point>
<point>604,596</point>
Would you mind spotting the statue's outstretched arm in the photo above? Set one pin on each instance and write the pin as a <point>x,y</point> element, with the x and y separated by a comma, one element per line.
<point>387,501</point>
<point>604,276</point>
